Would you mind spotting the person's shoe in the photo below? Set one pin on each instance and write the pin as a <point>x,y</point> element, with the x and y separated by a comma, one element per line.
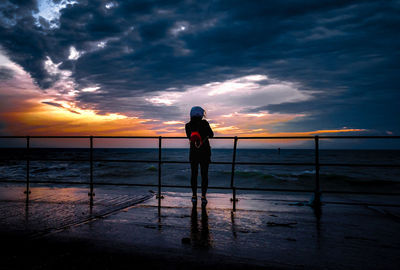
<point>203,200</point>
<point>194,199</point>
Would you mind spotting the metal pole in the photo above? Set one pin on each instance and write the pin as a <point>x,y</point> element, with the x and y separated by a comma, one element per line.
<point>27,191</point>
<point>91,193</point>
<point>159,171</point>
<point>317,193</point>
<point>234,200</point>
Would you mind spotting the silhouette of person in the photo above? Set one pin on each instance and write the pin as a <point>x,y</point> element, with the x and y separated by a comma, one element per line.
<point>198,131</point>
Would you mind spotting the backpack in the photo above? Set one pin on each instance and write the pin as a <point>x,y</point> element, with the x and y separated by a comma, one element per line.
<point>195,138</point>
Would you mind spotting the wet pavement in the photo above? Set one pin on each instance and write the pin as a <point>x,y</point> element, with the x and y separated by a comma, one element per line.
<point>271,230</point>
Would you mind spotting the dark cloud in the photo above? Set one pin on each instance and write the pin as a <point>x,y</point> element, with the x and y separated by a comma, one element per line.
<point>155,31</point>
<point>346,53</point>
<point>6,73</point>
<point>58,105</point>
<point>53,104</point>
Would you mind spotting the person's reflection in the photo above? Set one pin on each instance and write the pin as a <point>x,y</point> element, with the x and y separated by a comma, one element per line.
<point>200,238</point>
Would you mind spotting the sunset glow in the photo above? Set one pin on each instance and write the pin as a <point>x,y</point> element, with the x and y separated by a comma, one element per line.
<point>38,112</point>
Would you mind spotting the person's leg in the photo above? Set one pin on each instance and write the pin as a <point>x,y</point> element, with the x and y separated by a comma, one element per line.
<point>195,171</point>
<point>204,178</point>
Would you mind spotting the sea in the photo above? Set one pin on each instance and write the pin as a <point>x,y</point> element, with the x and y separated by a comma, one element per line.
<point>72,165</point>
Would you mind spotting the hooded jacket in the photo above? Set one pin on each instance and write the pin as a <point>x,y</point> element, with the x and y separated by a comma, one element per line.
<point>203,153</point>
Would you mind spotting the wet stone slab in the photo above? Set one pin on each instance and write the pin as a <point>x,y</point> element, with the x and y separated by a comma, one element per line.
<point>49,209</point>
<point>271,230</point>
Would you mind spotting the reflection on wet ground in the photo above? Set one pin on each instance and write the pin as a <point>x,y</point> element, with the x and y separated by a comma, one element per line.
<point>269,229</point>
<point>51,209</point>
<point>200,233</point>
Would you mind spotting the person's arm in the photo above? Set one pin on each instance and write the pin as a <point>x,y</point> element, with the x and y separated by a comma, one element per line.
<point>187,129</point>
<point>209,131</point>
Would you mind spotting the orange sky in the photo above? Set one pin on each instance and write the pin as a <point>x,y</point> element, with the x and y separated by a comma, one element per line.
<point>36,118</point>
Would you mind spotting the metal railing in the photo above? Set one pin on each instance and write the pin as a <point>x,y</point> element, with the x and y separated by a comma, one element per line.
<point>317,165</point>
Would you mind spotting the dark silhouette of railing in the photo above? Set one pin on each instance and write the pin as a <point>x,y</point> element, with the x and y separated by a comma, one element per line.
<point>316,191</point>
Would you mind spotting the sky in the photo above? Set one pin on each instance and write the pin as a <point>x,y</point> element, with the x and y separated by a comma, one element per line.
<point>258,68</point>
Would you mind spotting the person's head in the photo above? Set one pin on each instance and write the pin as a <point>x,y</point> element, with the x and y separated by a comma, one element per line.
<point>197,113</point>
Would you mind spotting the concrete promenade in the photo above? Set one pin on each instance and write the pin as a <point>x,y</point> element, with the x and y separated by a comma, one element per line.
<point>125,228</point>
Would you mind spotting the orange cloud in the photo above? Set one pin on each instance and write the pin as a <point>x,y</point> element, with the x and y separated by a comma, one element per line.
<point>44,119</point>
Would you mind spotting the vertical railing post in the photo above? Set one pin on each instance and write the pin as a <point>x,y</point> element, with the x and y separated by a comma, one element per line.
<point>159,170</point>
<point>316,201</point>
<point>27,191</point>
<point>234,200</point>
<point>91,193</point>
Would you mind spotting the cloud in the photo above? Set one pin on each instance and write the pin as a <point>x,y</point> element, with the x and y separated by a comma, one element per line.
<point>231,96</point>
<point>335,63</point>
<point>6,73</point>
<point>27,109</point>
<point>48,12</point>
<point>55,104</point>
<point>229,103</point>
<point>74,54</point>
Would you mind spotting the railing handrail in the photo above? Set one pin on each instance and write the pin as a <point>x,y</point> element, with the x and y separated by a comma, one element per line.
<point>317,164</point>
<point>217,137</point>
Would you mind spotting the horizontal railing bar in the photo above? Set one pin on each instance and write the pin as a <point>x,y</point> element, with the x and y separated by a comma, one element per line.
<point>13,181</point>
<point>127,137</point>
<point>272,163</point>
<point>359,165</point>
<point>125,184</point>
<point>47,137</point>
<point>322,191</point>
<point>274,189</point>
<point>220,162</point>
<point>222,137</point>
<point>13,137</point>
<point>320,137</point>
<point>126,160</point>
<point>40,159</point>
<point>167,186</point>
<point>273,138</point>
<point>360,192</point>
<point>244,163</point>
<point>45,182</point>
<point>151,137</point>
<point>210,187</point>
<point>275,163</point>
<point>252,138</point>
<point>80,160</point>
<point>149,185</point>
<point>358,137</point>
<point>363,204</point>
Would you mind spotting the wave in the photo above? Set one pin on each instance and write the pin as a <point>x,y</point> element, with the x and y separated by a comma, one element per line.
<point>305,175</point>
<point>293,176</point>
<point>48,169</point>
<point>249,175</point>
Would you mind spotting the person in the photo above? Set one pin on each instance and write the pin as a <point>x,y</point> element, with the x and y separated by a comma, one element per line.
<point>198,131</point>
